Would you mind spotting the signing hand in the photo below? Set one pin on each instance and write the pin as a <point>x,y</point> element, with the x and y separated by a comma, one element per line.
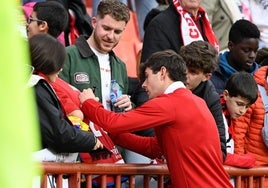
<point>87,94</point>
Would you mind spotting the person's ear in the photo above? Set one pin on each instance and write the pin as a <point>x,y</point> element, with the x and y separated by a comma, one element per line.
<point>225,94</point>
<point>163,72</point>
<point>43,27</point>
<point>206,77</point>
<point>230,45</point>
<point>93,22</point>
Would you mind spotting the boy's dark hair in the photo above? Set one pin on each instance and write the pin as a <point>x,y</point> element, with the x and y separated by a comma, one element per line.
<point>47,54</point>
<point>242,84</point>
<point>117,10</point>
<point>200,55</point>
<point>169,59</point>
<point>262,56</point>
<point>243,29</point>
<point>54,14</point>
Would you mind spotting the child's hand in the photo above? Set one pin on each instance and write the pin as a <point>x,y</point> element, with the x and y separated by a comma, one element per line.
<point>98,145</point>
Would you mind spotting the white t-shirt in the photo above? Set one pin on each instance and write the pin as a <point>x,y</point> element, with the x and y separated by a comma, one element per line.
<point>105,70</point>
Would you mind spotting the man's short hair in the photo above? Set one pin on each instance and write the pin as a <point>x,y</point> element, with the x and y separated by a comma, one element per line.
<point>117,10</point>
<point>169,59</point>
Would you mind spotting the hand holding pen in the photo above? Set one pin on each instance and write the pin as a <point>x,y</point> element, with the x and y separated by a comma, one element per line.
<point>87,94</point>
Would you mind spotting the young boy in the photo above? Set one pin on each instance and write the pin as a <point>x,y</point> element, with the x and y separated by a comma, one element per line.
<point>243,44</point>
<point>201,60</point>
<point>240,92</point>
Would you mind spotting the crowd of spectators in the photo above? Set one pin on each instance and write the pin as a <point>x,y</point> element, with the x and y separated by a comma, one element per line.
<point>222,46</point>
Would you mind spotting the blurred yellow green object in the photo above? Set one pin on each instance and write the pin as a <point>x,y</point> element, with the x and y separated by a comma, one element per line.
<point>19,135</point>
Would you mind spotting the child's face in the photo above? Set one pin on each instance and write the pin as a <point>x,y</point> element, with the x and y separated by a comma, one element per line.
<point>237,106</point>
<point>243,54</point>
<point>195,77</point>
<point>34,28</point>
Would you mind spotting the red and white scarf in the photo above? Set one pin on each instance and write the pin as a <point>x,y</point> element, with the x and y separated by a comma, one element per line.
<point>189,30</point>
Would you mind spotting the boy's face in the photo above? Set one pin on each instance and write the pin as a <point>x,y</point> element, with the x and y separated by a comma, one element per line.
<point>237,106</point>
<point>243,54</point>
<point>195,77</point>
<point>33,27</point>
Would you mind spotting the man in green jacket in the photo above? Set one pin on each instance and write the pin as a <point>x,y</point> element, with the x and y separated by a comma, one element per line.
<point>91,63</point>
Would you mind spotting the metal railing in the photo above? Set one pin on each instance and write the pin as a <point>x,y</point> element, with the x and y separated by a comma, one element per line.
<point>78,172</point>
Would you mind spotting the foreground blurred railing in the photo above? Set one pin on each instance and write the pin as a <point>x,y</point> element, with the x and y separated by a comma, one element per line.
<point>74,172</point>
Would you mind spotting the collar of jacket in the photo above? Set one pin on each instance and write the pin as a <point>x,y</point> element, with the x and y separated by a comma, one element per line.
<point>200,89</point>
<point>84,49</point>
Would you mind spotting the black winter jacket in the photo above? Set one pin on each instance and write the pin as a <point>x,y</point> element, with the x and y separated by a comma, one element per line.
<point>162,33</point>
<point>207,91</point>
<point>57,132</point>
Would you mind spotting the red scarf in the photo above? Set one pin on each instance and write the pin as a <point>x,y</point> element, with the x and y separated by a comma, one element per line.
<point>189,30</point>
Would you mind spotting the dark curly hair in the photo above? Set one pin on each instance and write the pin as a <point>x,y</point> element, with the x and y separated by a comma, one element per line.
<point>200,55</point>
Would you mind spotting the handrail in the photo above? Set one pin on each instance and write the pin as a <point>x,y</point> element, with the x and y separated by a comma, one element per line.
<point>75,170</point>
<point>105,168</point>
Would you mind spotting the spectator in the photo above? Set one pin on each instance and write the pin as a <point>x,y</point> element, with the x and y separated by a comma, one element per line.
<point>57,132</point>
<point>141,7</point>
<point>240,92</point>
<point>248,128</point>
<point>222,15</point>
<point>92,63</point>
<point>262,56</point>
<point>170,111</point>
<point>170,30</point>
<point>201,60</point>
<point>243,45</point>
<point>47,17</point>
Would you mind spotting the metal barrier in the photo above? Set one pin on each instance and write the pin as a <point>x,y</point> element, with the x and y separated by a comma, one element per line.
<point>76,172</point>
